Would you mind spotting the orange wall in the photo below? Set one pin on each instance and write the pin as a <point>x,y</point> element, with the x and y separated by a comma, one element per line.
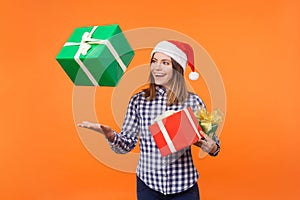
<point>255,45</point>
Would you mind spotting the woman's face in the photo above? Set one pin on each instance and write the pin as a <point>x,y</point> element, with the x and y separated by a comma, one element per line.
<point>161,69</point>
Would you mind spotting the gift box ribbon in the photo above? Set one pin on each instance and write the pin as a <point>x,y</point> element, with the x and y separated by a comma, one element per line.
<point>208,120</point>
<point>85,45</point>
<point>166,135</point>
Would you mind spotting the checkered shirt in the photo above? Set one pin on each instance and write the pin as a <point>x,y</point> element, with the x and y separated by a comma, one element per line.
<point>170,174</point>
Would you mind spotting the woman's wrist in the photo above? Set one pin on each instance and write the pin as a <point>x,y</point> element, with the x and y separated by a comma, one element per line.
<point>214,149</point>
<point>110,136</point>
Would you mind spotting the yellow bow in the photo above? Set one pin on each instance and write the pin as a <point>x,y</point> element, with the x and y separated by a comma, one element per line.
<point>208,120</point>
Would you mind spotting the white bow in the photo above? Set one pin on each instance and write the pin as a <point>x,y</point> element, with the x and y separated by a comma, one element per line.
<point>84,45</point>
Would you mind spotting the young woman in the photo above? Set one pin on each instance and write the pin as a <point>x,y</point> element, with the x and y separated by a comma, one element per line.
<point>173,176</point>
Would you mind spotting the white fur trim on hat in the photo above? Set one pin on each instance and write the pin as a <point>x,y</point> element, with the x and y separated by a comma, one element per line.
<point>194,76</point>
<point>173,51</point>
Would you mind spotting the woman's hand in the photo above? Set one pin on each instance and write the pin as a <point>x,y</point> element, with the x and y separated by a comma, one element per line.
<point>103,129</point>
<point>207,144</point>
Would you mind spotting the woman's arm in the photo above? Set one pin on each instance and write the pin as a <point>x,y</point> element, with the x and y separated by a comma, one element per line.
<point>125,141</point>
<point>208,145</point>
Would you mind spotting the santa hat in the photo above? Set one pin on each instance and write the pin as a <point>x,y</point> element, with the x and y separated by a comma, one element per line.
<point>181,52</point>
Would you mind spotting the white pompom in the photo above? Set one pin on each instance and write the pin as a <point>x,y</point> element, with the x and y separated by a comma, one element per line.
<point>194,76</point>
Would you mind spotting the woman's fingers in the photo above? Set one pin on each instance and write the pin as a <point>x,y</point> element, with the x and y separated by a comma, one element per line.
<point>103,129</point>
<point>84,124</point>
<point>90,125</point>
<point>206,144</point>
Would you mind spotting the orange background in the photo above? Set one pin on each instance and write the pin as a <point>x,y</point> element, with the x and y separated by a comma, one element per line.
<point>255,45</point>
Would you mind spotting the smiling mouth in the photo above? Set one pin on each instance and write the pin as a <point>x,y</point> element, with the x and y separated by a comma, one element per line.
<point>159,75</point>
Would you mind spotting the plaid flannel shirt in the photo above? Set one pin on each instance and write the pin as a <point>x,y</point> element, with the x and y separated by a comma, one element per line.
<point>171,174</point>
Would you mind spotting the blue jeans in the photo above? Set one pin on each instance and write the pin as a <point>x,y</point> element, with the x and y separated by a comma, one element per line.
<point>146,193</point>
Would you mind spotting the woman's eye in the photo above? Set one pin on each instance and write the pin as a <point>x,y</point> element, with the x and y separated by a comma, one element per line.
<point>166,63</point>
<point>153,61</point>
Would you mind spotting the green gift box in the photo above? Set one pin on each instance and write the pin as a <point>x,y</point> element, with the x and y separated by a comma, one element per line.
<point>96,55</point>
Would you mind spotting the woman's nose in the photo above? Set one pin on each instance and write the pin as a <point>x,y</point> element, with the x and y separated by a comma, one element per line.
<point>157,66</point>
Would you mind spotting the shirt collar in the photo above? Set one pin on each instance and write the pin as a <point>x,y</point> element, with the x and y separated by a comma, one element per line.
<point>160,89</point>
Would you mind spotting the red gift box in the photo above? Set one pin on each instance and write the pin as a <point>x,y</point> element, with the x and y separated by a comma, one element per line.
<point>176,131</point>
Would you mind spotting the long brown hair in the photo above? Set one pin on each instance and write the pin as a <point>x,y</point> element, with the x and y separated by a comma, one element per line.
<point>177,93</point>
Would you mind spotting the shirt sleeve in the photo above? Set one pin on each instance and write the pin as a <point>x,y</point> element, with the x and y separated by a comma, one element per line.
<point>126,140</point>
<point>198,102</point>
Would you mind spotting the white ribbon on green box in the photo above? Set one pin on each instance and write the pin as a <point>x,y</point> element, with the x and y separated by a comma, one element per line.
<point>85,45</point>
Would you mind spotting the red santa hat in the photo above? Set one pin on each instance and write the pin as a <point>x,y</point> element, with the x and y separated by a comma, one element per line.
<point>181,52</point>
